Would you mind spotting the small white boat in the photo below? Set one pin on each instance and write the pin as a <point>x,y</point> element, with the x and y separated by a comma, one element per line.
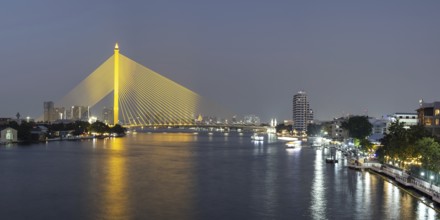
<point>257,137</point>
<point>293,144</point>
<point>286,138</point>
<point>210,133</point>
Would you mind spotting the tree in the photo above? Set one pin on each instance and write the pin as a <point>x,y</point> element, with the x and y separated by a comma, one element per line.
<point>366,145</point>
<point>99,127</point>
<point>81,127</point>
<point>402,144</point>
<point>358,127</point>
<point>281,127</point>
<point>394,142</point>
<point>429,150</point>
<point>23,130</point>
<point>118,129</point>
<point>313,129</point>
<point>418,132</point>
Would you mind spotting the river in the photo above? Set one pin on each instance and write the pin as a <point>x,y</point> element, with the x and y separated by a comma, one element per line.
<point>192,176</point>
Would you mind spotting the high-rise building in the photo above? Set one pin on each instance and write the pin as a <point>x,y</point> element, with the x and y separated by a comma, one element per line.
<point>107,115</point>
<point>49,111</point>
<point>59,113</point>
<point>52,113</point>
<point>302,113</point>
<point>79,113</point>
<point>251,120</point>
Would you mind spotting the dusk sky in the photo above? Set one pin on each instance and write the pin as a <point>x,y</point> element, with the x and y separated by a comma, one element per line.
<point>249,56</point>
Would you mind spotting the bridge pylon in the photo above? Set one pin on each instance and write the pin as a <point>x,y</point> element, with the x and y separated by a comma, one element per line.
<point>116,86</point>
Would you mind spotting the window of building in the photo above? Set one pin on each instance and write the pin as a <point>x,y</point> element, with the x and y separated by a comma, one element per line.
<point>428,122</point>
<point>437,111</point>
<point>436,121</point>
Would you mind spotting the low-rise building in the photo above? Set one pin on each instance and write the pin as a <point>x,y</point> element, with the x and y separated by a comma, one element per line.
<point>379,127</point>
<point>339,133</point>
<point>5,121</point>
<point>8,135</point>
<point>408,119</point>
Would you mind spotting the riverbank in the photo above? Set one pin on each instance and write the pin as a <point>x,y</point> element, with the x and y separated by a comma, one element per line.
<point>404,179</point>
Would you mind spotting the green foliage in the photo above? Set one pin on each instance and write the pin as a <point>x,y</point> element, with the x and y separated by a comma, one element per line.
<point>358,127</point>
<point>24,131</point>
<point>99,127</point>
<point>281,127</point>
<point>118,129</point>
<point>313,129</point>
<point>356,142</point>
<point>77,128</point>
<point>395,142</point>
<point>327,129</point>
<point>81,127</point>
<point>407,144</point>
<point>430,153</point>
<point>366,145</point>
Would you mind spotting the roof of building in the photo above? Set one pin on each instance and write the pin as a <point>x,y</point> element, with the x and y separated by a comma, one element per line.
<point>429,105</point>
<point>404,113</point>
<point>5,127</point>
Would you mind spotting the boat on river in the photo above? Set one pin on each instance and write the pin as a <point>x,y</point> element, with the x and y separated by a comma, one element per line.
<point>332,158</point>
<point>293,144</point>
<point>257,137</point>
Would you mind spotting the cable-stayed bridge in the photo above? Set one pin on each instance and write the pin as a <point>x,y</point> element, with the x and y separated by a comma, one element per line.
<point>141,97</point>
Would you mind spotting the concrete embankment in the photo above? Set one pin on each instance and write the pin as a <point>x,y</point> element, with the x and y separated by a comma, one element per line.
<point>426,188</point>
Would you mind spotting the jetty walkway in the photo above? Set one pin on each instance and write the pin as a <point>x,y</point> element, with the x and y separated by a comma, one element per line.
<point>401,177</point>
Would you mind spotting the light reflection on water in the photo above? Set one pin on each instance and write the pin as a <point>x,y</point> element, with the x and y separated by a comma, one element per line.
<point>116,201</point>
<point>318,204</point>
<point>165,184</point>
<point>425,212</point>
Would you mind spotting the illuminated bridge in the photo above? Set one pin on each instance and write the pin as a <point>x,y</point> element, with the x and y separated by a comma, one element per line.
<point>141,97</point>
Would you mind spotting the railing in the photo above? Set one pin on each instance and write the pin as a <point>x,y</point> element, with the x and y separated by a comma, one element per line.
<point>403,178</point>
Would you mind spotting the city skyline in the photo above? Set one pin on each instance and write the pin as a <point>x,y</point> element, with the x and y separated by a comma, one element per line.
<point>350,58</point>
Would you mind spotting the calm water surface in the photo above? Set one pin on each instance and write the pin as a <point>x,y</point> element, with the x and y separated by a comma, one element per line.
<point>187,176</point>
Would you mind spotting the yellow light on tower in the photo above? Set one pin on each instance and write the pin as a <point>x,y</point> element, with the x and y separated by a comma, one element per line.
<point>116,87</point>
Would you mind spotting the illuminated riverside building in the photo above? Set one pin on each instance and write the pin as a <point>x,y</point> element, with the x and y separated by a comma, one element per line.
<point>408,119</point>
<point>337,132</point>
<point>302,113</point>
<point>429,116</point>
